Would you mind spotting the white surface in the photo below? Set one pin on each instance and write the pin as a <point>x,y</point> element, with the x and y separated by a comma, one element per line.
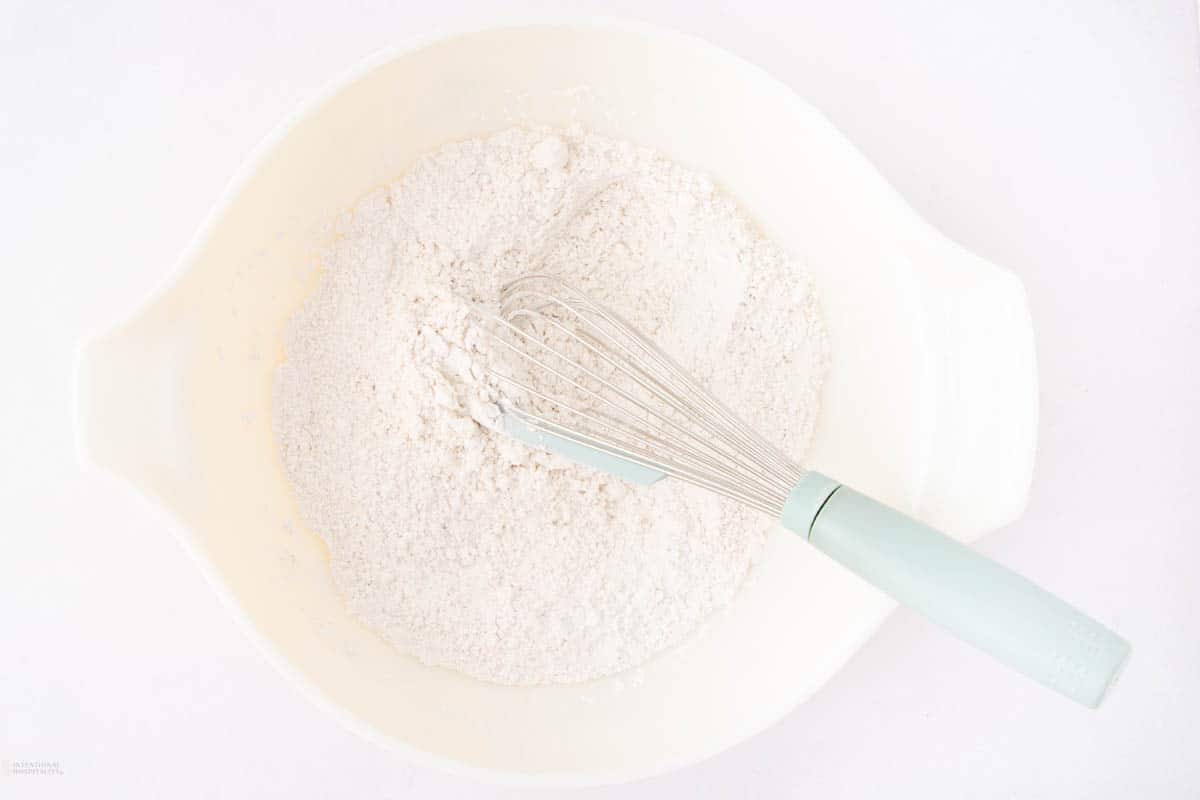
<point>1061,143</point>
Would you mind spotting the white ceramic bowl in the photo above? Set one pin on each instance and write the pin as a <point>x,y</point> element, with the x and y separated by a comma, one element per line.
<point>931,404</point>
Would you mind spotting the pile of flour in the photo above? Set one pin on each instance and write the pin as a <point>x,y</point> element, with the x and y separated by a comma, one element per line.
<point>471,550</point>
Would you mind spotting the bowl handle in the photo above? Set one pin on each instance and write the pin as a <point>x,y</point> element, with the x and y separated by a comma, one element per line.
<point>978,335</point>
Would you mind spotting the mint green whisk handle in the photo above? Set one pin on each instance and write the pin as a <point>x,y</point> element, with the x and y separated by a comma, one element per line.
<point>971,596</point>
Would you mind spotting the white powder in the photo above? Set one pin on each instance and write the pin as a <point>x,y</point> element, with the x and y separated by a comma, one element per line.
<point>471,550</point>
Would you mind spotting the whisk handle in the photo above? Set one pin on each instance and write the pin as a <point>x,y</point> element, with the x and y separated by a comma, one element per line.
<point>973,597</point>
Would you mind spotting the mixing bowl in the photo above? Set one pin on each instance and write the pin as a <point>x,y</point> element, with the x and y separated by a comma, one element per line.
<point>930,405</point>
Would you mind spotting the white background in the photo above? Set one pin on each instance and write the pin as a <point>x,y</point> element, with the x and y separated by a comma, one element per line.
<point>1059,139</point>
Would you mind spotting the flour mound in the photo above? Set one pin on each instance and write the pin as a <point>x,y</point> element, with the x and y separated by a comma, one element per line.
<point>468,549</point>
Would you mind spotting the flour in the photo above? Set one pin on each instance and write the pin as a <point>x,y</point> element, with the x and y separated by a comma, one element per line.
<point>468,549</point>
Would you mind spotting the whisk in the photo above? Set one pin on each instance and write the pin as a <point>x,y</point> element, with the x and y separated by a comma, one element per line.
<point>578,379</point>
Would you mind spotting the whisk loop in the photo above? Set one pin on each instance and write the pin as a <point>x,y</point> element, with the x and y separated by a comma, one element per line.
<point>588,376</point>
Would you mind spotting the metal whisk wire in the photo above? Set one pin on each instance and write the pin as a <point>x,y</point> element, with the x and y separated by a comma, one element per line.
<point>596,381</point>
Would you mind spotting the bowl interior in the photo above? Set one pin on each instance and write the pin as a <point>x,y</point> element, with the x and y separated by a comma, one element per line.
<point>216,336</point>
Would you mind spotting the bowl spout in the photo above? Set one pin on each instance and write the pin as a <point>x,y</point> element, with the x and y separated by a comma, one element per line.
<point>131,403</point>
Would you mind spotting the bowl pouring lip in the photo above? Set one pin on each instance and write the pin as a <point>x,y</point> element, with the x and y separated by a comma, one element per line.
<point>249,166</point>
